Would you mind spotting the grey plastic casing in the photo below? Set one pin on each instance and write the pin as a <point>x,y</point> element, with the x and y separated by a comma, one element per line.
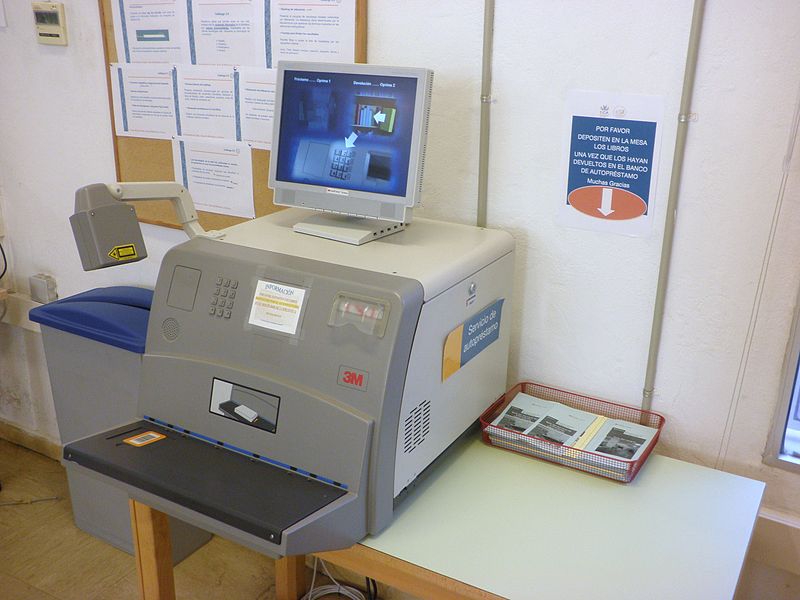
<point>348,438</point>
<point>101,224</point>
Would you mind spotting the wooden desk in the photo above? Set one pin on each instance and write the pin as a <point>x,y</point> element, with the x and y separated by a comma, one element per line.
<point>488,523</point>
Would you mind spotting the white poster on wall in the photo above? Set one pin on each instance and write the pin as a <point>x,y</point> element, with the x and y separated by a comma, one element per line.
<point>611,162</point>
<point>315,30</point>
<point>229,32</point>
<point>256,101</point>
<point>143,102</point>
<point>218,174</point>
<point>205,99</point>
<point>150,31</point>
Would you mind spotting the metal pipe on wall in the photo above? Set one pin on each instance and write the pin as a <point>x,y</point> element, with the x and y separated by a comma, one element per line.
<point>486,100</point>
<point>672,202</point>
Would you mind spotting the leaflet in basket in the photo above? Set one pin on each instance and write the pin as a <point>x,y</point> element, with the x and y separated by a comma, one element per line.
<point>621,439</point>
<point>523,412</point>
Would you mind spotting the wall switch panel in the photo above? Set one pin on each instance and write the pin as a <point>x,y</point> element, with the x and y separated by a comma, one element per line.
<point>51,23</point>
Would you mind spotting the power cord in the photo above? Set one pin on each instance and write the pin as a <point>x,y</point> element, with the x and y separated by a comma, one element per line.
<point>372,588</point>
<point>5,262</point>
<point>2,274</point>
<point>337,588</point>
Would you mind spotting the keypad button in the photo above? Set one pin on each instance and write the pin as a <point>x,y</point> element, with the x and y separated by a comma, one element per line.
<point>212,310</point>
<point>227,314</point>
<point>216,292</point>
<point>230,304</point>
<point>219,280</point>
<point>234,284</point>
<point>227,283</point>
<point>232,294</point>
<point>219,312</point>
<point>213,300</point>
<point>224,292</point>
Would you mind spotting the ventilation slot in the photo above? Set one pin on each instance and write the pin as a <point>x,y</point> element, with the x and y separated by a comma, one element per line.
<point>416,426</point>
<point>170,329</point>
<point>424,138</point>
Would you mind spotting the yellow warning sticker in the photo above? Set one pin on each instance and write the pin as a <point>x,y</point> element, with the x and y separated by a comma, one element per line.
<point>124,252</point>
<point>142,439</point>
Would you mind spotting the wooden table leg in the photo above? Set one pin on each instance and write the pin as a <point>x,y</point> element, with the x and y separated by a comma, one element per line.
<point>290,577</point>
<point>153,549</point>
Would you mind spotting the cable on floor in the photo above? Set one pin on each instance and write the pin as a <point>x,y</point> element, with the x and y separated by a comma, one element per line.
<point>337,588</point>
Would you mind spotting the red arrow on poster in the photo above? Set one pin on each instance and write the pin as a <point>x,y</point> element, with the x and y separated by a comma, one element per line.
<point>612,204</point>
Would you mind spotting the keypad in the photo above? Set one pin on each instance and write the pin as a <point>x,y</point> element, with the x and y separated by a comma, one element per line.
<point>222,300</point>
<point>342,164</point>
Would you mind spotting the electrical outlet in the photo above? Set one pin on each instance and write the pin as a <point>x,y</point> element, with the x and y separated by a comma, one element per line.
<point>43,288</point>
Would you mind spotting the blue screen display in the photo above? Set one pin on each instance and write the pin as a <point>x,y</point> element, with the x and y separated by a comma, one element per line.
<point>346,131</point>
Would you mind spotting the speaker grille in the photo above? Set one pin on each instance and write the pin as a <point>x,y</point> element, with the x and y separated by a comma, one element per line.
<point>170,329</point>
<point>416,426</point>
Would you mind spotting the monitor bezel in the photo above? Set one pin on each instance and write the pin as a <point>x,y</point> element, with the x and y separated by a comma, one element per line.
<point>413,193</point>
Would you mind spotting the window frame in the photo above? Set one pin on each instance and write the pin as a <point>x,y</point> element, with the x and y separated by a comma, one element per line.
<point>789,398</point>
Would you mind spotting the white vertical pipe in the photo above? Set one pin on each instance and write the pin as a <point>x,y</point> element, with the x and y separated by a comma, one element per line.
<point>486,100</point>
<point>672,202</point>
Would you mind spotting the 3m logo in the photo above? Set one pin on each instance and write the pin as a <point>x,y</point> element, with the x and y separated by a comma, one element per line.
<point>353,378</point>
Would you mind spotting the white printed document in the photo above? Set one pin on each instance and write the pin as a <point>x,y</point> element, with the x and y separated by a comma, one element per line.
<point>315,30</point>
<point>256,94</point>
<point>143,102</point>
<point>150,31</point>
<point>621,439</point>
<point>277,306</point>
<point>229,32</point>
<point>522,413</point>
<point>206,102</point>
<point>562,425</point>
<point>218,174</point>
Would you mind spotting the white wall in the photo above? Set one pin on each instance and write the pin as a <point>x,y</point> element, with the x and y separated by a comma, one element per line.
<point>584,300</point>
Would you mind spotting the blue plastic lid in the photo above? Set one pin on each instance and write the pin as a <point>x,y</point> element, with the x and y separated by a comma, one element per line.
<point>116,316</point>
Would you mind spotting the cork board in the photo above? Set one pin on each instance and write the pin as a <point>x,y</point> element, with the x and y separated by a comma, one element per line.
<point>139,159</point>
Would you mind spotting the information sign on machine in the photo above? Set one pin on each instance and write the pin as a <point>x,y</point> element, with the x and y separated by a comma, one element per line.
<point>471,338</point>
<point>611,168</point>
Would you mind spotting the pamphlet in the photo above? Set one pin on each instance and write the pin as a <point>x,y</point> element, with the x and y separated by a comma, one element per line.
<point>562,425</point>
<point>522,412</point>
<point>621,439</point>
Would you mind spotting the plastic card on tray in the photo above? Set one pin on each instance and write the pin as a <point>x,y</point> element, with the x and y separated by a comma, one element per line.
<point>621,462</point>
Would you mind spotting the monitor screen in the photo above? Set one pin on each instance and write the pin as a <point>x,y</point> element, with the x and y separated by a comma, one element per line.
<point>349,138</point>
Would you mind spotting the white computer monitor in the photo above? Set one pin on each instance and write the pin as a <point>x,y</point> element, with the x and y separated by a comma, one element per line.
<point>349,140</point>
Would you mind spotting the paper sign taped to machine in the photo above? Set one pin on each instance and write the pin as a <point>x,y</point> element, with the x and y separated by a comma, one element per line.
<point>277,306</point>
<point>471,338</point>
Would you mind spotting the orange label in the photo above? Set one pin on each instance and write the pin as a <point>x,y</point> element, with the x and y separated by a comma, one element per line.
<point>142,439</point>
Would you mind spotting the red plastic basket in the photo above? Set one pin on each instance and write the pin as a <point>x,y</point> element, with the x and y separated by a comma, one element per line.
<point>619,469</point>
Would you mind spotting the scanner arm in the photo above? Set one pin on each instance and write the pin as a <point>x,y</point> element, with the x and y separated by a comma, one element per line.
<point>170,190</point>
<point>106,230</point>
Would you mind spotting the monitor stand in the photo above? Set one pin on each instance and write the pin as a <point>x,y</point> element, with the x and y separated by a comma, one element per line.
<point>351,230</point>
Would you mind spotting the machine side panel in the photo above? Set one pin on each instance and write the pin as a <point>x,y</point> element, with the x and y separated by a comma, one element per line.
<point>435,412</point>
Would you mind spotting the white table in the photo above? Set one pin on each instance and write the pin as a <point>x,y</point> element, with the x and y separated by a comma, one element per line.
<point>488,523</point>
<point>521,528</point>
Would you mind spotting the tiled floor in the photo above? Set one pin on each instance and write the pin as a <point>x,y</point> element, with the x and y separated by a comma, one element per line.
<point>43,556</point>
